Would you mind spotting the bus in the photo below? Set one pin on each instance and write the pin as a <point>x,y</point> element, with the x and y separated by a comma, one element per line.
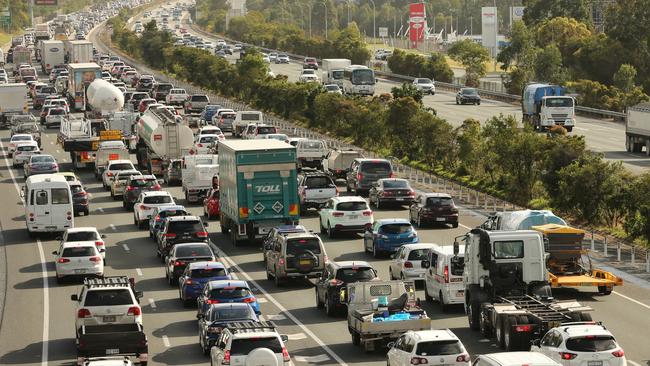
<point>358,80</point>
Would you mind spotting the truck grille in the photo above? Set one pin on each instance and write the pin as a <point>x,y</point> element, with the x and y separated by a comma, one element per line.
<point>559,117</point>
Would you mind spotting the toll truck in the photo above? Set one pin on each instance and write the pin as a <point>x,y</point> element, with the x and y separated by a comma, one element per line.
<point>568,264</point>
<point>258,189</point>
<point>507,295</point>
<point>161,138</point>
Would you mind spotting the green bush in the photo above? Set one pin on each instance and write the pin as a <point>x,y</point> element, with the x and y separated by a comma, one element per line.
<point>412,64</point>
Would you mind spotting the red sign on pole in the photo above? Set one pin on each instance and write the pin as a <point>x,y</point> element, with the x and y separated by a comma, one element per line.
<point>46,2</point>
<point>417,23</point>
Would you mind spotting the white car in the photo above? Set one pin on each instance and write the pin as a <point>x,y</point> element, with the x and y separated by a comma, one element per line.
<point>308,72</point>
<point>348,213</point>
<point>176,96</point>
<point>88,233</point>
<point>307,78</point>
<point>19,138</point>
<point>78,258</point>
<point>260,344</point>
<point>203,143</point>
<point>333,88</point>
<point>211,130</point>
<point>272,56</point>
<point>282,59</point>
<point>277,136</point>
<point>60,102</point>
<point>407,262</point>
<point>577,344</point>
<point>425,85</point>
<point>112,167</point>
<point>432,347</point>
<point>144,206</point>
<point>266,58</point>
<point>23,151</point>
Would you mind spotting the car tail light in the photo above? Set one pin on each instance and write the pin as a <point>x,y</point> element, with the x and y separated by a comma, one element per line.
<point>202,234</point>
<point>523,328</point>
<point>446,274</point>
<point>281,261</point>
<point>99,243</point>
<point>336,282</point>
<point>188,281</point>
<point>249,300</point>
<point>411,193</point>
<point>463,358</point>
<point>156,187</point>
<point>199,145</point>
<point>95,259</point>
<point>418,361</point>
<point>226,358</point>
<point>170,235</point>
<point>81,194</point>
<point>214,329</point>
<point>568,355</point>
<point>63,260</point>
<point>285,354</point>
<point>367,213</point>
<point>337,214</point>
<point>618,353</point>
<point>212,301</point>
<point>392,175</point>
<point>109,174</point>
<point>359,176</point>
<point>83,313</point>
<point>134,310</point>
<point>143,207</point>
<point>179,263</point>
<point>408,265</point>
<point>130,188</point>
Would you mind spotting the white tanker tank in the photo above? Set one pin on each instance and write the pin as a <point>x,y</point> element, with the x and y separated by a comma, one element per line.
<point>155,128</point>
<point>104,97</point>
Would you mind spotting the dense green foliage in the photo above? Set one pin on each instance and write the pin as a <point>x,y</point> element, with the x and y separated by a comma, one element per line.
<point>407,63</point>
<point>497,157</point>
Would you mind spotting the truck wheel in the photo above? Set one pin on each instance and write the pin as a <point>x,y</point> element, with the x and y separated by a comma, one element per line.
<point>330,232</point>
<point>330,309</point>
<point>500,328</point>
<point>541,290</point>
<point>485,328</point>
<point>233,237</point>
<point>473,313</point>
<point>510,339</point>
<point>356,338</point>
<point>319,304</point>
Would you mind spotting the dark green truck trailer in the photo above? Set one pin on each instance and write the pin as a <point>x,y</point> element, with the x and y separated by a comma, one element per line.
<point>257,187</point>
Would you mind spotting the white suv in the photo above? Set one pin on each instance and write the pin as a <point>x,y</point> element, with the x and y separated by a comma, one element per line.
<point>427,347</point>
<point>112,167</point>
<point>108,300</point>
<point>144,206</point>
<point>250,343</point>
<point>346,213</point>
<point>78,258</point>
<point>581,343</point>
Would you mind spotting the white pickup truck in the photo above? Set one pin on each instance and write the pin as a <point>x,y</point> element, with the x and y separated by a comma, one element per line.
<point>197,172</point>
<point>176,96</point>
<point>311,153</point>
<point>314,189</point>
<point>380,311</point>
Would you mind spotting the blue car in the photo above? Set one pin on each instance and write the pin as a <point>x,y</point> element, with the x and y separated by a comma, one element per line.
<point>387,235</point>
<point>209,111</point>
<point>226,291</point>
<point>157,219</point>
<point>196,275</point>
<point>215,318</point>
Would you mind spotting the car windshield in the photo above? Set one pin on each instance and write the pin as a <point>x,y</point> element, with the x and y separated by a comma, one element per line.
<point>21,138</point>
<point>185,226</point>
<point>57,112</point>
<point>319,182</point>
<point>158,199</point>
<point>48,90</point>
<point>376,167</point>
<point>332,87</point>
<point>418,254</point>
<point>108,297</point>
<point>424,81</point>
<point>396,228</point>
<point>508,249</point>
<point>229,115</point>
<point>438,348</point>
<point>591,343</point>
<point>164,87</point>
<point>172,213</point>
<point>354,274</point>
<point>42,159</point>
<point>75,188</point>
<point>308,72</point>
<point>82,236</point>
<point>26,148</point>
<point>229,292</point>
<point>193,251</point>
<point>263,130</point>
<point>120,166</point>
<point>125,176</point>
<point>79,252</point>
<point>240,312</point>
<point>559,102</point>
<point>352,206</point>
<point>338,74</point>
<point>208,272</point>
<point>297,246</point>
<point>439,201</point>
<point>246,345</point>
<point>311,145</point>
<point>143,182</point>
<point>199,98</point>
<point>471,91</point>
<point>389,184</point>
<point>250,117</point>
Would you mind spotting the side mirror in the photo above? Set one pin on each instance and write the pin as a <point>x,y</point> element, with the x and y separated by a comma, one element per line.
<point>74,297</point>
<point>59,237</point>
<point>425,264</point>
<point>102,250</point>
<point>139,294</point>
<point>55,252</point>
<point>161,181</point>
<point>285,338</point>
<point>456,247</point>
<point>268,247</point>
<point>392,256</point>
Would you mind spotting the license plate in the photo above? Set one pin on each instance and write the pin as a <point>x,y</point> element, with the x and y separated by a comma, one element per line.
<point>440,219</point>
<point>50,228</point>
<point>460,294</point>
<point>594,363</point>
<point>353,217</point>
<point>108,319</point>
<point>113,351</point>
<point>79,271</point>
<point>399,199</point>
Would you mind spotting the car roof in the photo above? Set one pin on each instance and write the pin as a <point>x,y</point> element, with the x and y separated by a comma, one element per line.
<point>183,218</point>
<point>393,221</point>
<point>419,246</point>
<point>576,330</point>
<point>171,208</point>
<point>27,143</point>
<point>78,244</point>
<point>298,235</point>
<point>434,335</point>
<point>128,172</point>
<point>120,161</point>
<point>81,229</point>
<point>392,180</point>
<point>145,176</point>
<point>156,193</point>
<point>256,334</point>
<point>436,194</point>
<point>23,135</point>
<point>207,264</point>
<point>348,199</point>
<point>290,228</point>
<point>350,264</point>
<point>227,283</point>
<point>198,243</point>
<point>520,358</point>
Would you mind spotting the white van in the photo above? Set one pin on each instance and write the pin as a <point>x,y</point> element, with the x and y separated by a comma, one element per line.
<point>48,204</point>
<point>245,118</point>
<point>443,279</point>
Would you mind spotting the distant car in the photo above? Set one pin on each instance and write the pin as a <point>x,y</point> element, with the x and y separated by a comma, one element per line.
<point>23,152</point>
<point>425,85</point>
<point>172,174</point>
<point>406,263</point>
<point>136,184</point>
<point>40,164</point>
<point>216,318</point>
<point>338,275</point>
<point>181,255</point>
<point>394,191</point>
<point>333,88</point>
<point>79,198</point>
<point>348,213</point>
<point>196,275</point>
<point>118,185</point>
<point>468,96</point>
<point>176,96</point>
<point>433,347</point>
<point>144,104</point>
<point>282,59</point>
<point>310,63</point>
<point>433,208</point>
<point>160,214</point>
<point>112,167</point>
<point>272,56</point>
<point>18,139</point>
<point>386,236</point>
<point>181,229</point>
<point>306,78</point>
<point>277,136</point>
<point>78,258</point>
<point>88,233</point>
<point>196,103</point>
<point>226,291</point>
<point>211,206</point>
<point>55,116</point>
<point>143,207</point>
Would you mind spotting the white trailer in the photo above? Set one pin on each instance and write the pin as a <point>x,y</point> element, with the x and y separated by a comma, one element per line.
<point>197,172</point>
<point>52,54</point>
<point>637,128</point>
<point>80,52</point>
<point>13,100</point>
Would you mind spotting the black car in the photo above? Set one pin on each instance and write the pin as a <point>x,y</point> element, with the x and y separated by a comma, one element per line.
<point>215,319</point>
<point>364,172</point>
<point>335,277</point>
<point>395,191</point>
<point>433,208</point>
<point>144,84</point>
<point>135,185</point>
<point>468,96</point>
<point>79,198</point>
<point>181,229</point>
<point>136,98</point>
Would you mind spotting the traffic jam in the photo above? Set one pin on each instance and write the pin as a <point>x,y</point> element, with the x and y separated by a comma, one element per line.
<point>100,150</point>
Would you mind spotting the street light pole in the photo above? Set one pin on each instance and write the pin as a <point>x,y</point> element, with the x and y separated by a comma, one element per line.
<point>325,6</point>
<point>374,27</point>
<point>348,2</point>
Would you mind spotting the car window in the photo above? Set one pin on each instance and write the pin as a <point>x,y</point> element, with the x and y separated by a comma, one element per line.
<point>352,206</point>
<point>439,201</point>
<point>157,199</point>
<point>376,167</point>
<point>457,266</point>
<point>79,252</point>
<point>388,184</point>
<point>250,117</point>
<point>397,228</point>
<point>435,348</point>
<point>60,196</point>
<point>82,236</point>
<point>76,188</point>
<point>417,254</point>
<point>208,272</point>
<point>265,130</point>
<point>296,246</point>
<point>319,182</point>
<point>193,251</point>
<point>41,197</point>
<point>229,292</point>
<point>120,166</point>
<point>231,313</point>
<point>591,343</point>
<point>171,213</point>
<point>185,226</point>
<point>26,148</point>
<point>355,274</point>
<point>311,145</point>
<point>205,139</point>
<point>199,98</point>
<point>108,297</point>
<point>143,182</point>
<point>42,159</point>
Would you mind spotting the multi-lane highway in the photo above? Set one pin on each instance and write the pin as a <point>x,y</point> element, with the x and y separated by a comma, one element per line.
<point>38,318</point>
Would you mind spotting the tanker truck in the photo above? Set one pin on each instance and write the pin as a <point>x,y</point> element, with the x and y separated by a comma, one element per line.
<point>161,138</point>
<point>107,101</point>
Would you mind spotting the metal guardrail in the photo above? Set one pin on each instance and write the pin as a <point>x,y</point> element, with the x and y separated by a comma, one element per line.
<point>511,98</point>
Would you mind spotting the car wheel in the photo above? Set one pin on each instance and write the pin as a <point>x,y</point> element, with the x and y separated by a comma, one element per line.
<point>323,230</point>
<point>319,304</point>
<point>170,279</point>
<point>375,251</point>
<point>330,231</point>
<point>377,204</point>
<point>457,101</point>
<point>135,220</point>
<point>455,225</point>
<point>276,279</point>
<point>478,103</point>
<point>419,221</point>
<point>86,211</point>
<point>330,309</point>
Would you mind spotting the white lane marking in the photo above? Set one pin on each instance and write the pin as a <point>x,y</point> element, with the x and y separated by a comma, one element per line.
<point>312,359</point>
<point>274,317</point>
<point>126,247</point>
<point>631,299</point>
<point>633,363</point>
<point>262,300</point>
<point>152,303</point>
<point>297,336</point>
<point>166,341</point>
<point>100,210</point>
<point>46,291</point>
<point>282,309</point>
<point>138,271</point>
<point>112,227</point>
<point>58,151</point>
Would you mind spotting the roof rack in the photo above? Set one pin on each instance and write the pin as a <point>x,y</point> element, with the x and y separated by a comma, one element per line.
<point>251,326</point>
<point>108,281</point>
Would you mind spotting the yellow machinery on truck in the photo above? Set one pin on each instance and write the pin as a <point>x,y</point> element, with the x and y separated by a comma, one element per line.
<point>568,264</point>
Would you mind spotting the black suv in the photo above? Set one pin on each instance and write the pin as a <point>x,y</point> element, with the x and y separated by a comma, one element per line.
<point>335,277</point>
<point>181,229</point>
<point>135,185</point>
<point>364,172</point>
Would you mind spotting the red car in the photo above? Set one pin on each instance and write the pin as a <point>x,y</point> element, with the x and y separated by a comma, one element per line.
<point>144,103</point>
<point>211,204</point>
